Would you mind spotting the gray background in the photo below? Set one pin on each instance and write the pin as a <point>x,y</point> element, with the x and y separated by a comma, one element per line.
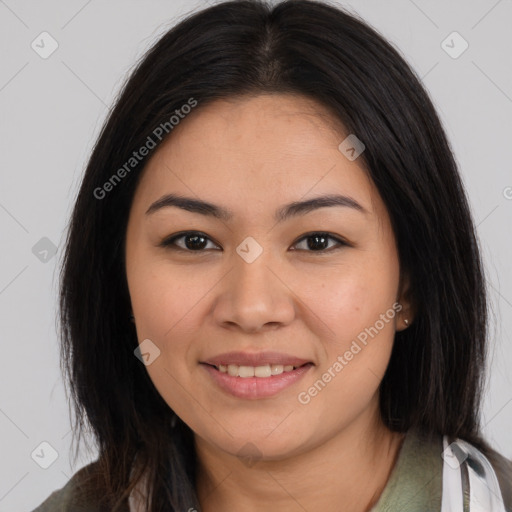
<point>52,110</point>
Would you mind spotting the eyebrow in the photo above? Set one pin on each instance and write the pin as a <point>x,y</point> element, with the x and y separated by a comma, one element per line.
<point>282,214</point>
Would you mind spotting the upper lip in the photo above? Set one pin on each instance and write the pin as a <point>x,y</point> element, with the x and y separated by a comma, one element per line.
<point>255,359</point>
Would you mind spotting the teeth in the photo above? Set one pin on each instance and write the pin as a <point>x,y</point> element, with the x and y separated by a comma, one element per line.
<point>264,371</point>
<point>246,371</point>
<point>276,369</point>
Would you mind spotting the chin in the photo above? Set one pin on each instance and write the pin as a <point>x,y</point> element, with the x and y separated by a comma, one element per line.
<point>260,446</point>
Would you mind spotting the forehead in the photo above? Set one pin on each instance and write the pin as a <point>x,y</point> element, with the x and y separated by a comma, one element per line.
<point>254,151</point>
<point>280,125</point>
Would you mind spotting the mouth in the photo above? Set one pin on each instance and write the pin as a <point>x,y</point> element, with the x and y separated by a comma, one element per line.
<point>264,380</point>
<point>262,372</point>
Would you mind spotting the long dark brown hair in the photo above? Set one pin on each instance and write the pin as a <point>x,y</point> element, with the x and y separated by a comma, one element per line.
<point>434,381</point>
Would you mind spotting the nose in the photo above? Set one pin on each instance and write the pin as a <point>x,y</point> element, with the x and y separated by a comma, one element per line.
<point>255,296</point>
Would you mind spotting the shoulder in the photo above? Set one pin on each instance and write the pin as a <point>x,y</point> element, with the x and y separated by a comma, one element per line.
<point>70,498</point>
<point>485,469</point>
<point>503,469</point>
<point>422,455</point>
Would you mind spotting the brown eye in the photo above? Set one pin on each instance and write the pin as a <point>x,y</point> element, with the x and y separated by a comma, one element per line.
<point>318,242</point>
<point>193,241</point>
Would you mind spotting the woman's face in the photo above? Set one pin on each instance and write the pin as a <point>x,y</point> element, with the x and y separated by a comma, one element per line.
<point>265,287</point>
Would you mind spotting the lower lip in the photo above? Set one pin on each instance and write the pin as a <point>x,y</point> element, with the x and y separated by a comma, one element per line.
<point>256,387</point>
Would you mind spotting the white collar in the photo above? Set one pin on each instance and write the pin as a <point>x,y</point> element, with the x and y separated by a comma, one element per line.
<point>466,470</point>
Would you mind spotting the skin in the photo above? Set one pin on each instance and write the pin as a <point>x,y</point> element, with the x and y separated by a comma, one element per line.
<point>253,155</point>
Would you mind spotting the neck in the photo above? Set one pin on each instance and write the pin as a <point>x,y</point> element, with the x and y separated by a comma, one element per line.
<point>348,472</point>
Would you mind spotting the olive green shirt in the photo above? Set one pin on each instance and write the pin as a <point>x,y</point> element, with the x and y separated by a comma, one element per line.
<point>414,484</point>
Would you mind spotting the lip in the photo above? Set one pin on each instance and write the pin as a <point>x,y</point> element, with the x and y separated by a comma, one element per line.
<point>253,388</point>
<point>255,359</point>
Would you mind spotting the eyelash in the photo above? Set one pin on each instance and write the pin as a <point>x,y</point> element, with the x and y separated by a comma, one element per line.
<point>169,243</point>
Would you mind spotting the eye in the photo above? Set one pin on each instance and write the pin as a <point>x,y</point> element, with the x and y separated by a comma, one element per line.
<point>195,241</point>
<point>320,241</point>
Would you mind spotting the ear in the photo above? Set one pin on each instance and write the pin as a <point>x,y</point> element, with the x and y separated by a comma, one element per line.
<point>406,299</point>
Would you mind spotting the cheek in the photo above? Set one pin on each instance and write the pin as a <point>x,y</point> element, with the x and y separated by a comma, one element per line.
<point>160,302</point>
<point>358,305</point>
<point>352,298</point>
<point>166,303</point>
<point>169,301</point>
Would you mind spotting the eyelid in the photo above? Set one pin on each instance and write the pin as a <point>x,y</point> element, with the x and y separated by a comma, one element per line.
<point>341,242</point>
<point>169,242</point>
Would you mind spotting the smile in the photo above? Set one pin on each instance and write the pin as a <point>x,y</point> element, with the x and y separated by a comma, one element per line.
<point>255,371</point>
<point>255,382</point>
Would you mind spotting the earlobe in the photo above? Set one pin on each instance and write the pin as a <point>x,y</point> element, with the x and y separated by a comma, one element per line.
<point>406,300</point>
<point>403,320</point>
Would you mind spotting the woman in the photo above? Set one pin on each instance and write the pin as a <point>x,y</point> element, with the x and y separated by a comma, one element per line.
<point>272,295</point>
